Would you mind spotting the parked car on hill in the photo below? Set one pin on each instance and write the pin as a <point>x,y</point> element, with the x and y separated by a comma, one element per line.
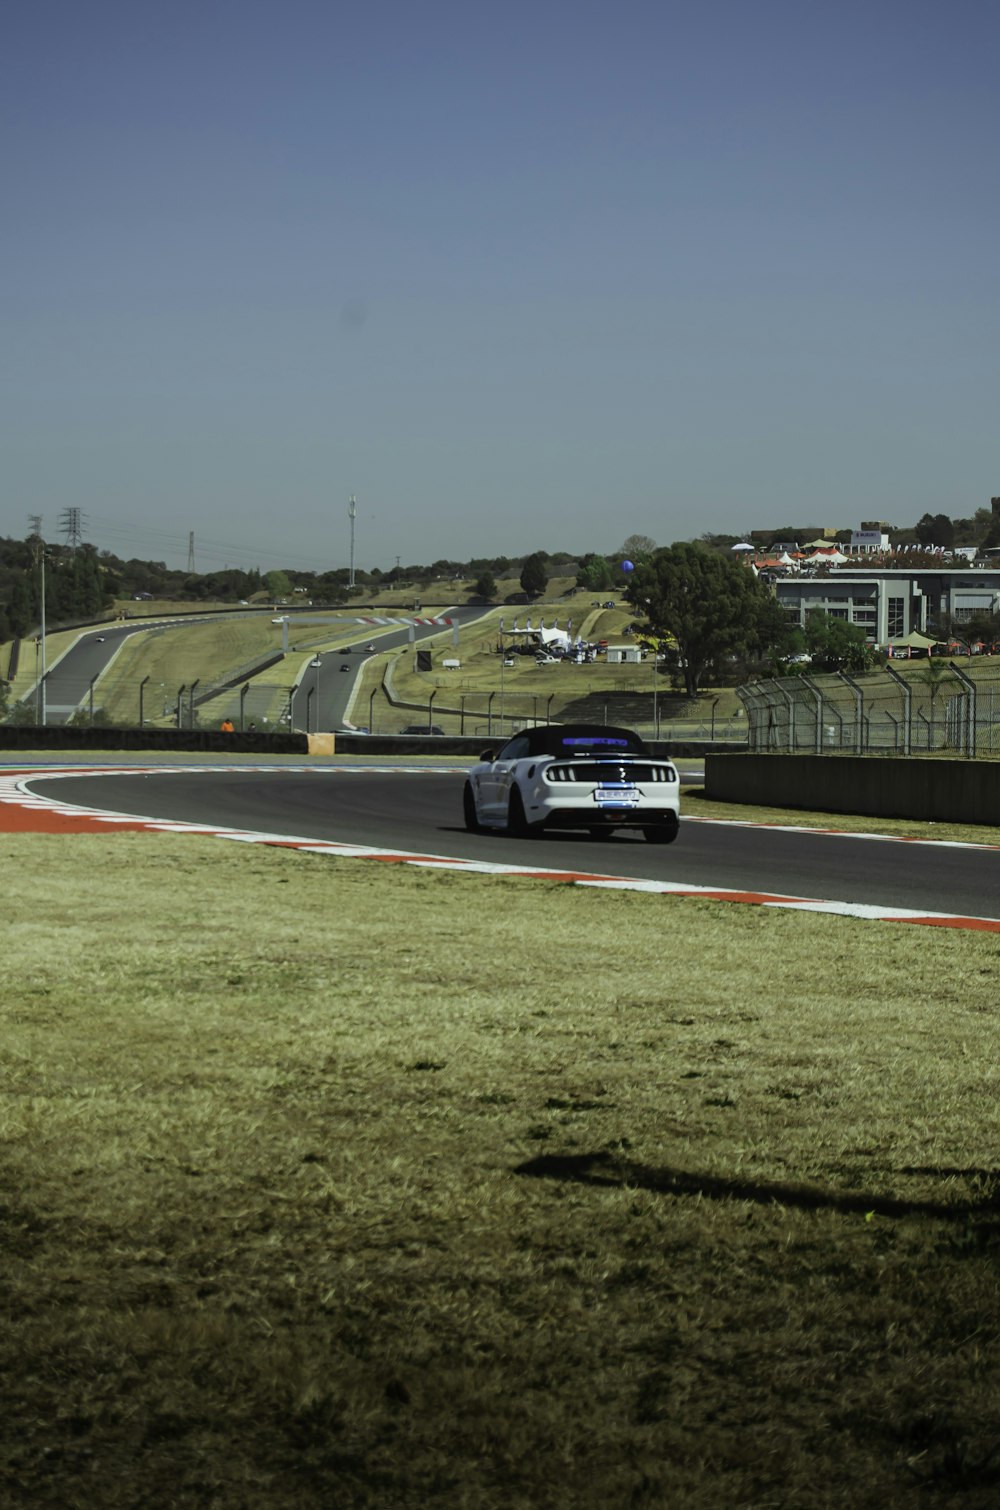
<point>592,776</point>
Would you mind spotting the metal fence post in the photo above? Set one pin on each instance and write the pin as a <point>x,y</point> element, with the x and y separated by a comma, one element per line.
<point>970,710</point>
<point>907,691</point>
<point>859,712</point>
<point>817,694</point>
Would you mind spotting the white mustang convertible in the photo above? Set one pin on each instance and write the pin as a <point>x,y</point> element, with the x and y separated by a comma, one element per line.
<point>591,776</point>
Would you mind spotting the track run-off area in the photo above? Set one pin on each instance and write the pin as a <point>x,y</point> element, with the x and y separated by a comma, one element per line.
<point>410,814</point>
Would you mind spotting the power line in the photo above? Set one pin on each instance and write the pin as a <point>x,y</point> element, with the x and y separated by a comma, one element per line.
<point>147,542</point>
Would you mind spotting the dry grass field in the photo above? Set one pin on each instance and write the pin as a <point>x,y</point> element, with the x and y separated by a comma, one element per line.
<point>334,1184</point>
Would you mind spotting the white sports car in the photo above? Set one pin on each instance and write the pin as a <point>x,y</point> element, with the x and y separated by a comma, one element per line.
<point>591,776</point>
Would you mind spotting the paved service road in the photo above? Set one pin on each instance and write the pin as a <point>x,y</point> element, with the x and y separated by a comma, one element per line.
<point>69,681</point>
<point>422,812</point>
<point>324,692</point>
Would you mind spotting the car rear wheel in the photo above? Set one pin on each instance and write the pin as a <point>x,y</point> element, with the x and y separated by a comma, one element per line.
<point>601,831</point>
<point>662,833</point>
<point>517,819</point>
<point>472,822</point>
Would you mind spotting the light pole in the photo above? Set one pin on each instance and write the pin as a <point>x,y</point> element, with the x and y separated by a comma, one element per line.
<point>316,663</point>
<point>45,710</point>
<point>352,514</point>
<point>502,660</point>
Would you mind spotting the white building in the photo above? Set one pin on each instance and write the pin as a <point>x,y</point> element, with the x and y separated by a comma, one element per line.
<point>868,542</point>
<point>889,605</point>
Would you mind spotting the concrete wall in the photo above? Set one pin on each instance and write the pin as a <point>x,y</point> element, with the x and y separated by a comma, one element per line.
<point>945,790</point>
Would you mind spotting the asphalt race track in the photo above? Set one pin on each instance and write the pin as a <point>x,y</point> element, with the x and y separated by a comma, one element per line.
<point>421,811</point>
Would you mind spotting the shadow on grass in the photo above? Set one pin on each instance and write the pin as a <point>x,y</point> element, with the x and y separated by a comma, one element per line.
<point>606,1169</point>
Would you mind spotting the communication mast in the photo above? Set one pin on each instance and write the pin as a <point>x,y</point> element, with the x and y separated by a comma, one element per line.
<point>352,514</point>
<point>191,551</point>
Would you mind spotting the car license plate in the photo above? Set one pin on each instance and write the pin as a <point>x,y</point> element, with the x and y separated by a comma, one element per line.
<point>612,794</point>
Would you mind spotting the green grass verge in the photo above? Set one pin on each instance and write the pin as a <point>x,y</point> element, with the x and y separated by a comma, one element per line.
<point>326,1183</point>
<point>694,804</point>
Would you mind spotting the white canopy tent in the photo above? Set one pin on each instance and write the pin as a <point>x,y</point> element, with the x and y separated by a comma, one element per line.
<point>830,558</point>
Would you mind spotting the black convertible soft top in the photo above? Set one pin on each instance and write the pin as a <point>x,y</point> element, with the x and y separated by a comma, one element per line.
<point>582,739</point>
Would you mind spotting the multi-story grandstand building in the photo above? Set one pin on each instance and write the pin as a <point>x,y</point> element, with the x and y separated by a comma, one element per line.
<point>890,604</point>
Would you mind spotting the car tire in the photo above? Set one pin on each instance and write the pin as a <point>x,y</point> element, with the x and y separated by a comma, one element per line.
<point>602,831</point>
<point>662,833</point>
<point>472,822</point>
<point>517,819</point>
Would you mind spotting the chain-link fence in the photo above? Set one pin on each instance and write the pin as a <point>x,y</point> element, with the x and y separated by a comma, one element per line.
<point>941,706</point>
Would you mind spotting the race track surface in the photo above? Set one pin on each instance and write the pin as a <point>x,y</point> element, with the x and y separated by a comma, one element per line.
<point>417,813</point>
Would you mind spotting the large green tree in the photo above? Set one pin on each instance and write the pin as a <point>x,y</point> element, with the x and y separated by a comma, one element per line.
<point>594,574</point>
<point>713,606</point>
<point>836,645</point>
<point>278,583</point>
<point>636,548</point>
<point>935,530</point>
<point>534,577</point>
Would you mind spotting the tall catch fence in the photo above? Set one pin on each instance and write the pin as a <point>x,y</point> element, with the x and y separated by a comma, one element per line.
<point>941,706</point>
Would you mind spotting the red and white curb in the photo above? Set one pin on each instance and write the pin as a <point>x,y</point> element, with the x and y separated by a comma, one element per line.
<point>65,817</point>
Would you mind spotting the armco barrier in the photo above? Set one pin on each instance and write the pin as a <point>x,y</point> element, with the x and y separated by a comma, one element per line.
<point>76,737</point>
<point>938,791</point>
<point>73,737</point>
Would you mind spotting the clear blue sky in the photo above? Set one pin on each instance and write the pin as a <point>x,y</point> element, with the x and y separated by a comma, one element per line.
<point>520,277</point>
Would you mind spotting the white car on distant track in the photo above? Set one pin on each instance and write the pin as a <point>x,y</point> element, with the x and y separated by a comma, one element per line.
<point>592,776</point>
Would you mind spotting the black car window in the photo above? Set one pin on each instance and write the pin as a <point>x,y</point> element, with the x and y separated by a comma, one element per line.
<point>515,749</point>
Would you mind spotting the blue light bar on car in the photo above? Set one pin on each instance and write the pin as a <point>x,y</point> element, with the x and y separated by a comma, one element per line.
<point>591,741</point>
